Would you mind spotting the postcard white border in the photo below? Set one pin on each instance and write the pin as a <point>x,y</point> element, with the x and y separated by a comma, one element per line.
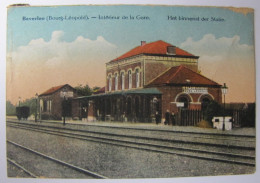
<point>214,179</point>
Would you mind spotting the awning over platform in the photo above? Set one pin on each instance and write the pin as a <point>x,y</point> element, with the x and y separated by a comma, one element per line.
<point>153,91</point>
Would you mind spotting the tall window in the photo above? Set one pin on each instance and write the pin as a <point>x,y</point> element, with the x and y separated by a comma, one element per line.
<point>137,76</point>
<point>123,81</point>
<point>116,81</point>
<point>45,106</point>
<point>205,100</point>
<point>41,105</point>
<point>49,106</point>
<point>129,79</point>
<point>109,83</point>
<point>185,100</point>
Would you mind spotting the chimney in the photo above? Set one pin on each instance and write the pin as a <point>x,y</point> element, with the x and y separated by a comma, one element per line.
<point>171,50</point>
<point>143,43</point>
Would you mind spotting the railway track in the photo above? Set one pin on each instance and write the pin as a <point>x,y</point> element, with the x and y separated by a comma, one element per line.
<point>197,137</point>
<point>78,171</point>
<point>24,170</point>
<point>221,149</point>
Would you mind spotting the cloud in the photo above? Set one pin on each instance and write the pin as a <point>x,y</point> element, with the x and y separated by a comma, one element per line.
<point>211,46</point>
<point>42,64</point>
<point>44,52</point>
<point>226,60</point>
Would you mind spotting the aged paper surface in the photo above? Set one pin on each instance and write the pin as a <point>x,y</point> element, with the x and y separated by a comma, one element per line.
<point>52,48</point>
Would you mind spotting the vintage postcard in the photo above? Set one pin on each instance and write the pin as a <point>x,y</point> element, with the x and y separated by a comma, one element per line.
<point>130,91</point>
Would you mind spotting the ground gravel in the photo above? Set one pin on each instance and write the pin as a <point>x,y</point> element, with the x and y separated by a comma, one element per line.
<point>121,162</point>
<point>13,171</point>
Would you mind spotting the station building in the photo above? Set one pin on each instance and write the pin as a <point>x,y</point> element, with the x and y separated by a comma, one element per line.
<point>51,102</point>
<point>152,77</point>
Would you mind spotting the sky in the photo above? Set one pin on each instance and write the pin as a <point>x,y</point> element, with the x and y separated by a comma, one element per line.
<point>50,51</point>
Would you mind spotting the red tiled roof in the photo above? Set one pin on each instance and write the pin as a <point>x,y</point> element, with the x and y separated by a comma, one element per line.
<point>52,90</point>
<point>181,75</point>
<point>157,48</point>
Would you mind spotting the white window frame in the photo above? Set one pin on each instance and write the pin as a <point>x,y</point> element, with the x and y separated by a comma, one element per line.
<point>129,79</point>
<point>109,83</point>
<point>137,75</point>
<point>116,81</point>
<point>122,80</point>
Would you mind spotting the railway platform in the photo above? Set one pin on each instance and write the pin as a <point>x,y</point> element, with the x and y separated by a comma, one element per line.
<point>160,126</point>
<point>235,131</point>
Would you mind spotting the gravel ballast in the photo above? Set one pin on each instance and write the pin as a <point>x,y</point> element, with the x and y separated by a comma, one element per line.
<point>121,162</point>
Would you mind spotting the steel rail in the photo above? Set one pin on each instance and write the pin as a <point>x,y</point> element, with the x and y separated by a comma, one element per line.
<point>153,138</point>
<point>157,130</point>
<point>135,137</point>
<point>21,167</point>
<point>94,139</point>
<point>88,172</point>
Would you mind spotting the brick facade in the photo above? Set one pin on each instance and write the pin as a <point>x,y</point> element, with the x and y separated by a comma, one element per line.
<point>171,95</point>
<point>162,78</point>
<point>51,103</point>
<point>118,70</point>
<point>149,68</point>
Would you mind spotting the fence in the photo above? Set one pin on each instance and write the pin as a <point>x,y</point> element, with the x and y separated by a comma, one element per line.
<point>240,117</point>
<point>189,117</point>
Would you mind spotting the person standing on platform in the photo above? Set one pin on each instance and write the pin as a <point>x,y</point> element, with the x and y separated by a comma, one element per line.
<point>167,117</point>
<point>157,117</point>
<point>173,118</point>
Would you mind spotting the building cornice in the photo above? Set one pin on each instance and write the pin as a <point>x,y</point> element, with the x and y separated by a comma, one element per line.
<point>151,58</point>
<point>157,55</point>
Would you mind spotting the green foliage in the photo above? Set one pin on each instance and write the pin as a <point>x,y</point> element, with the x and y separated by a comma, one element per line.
<point>10,109</point>
<point>95,88</point>
<point>213,109</point>
<point>31,103</point>
<point>84,90</point>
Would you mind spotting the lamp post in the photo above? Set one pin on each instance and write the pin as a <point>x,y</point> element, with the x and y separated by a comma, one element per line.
<point>36,109</point>
<point>64,93</point>
<point>19,102</point>
<point>154,108</point>
<point>18,110</point>
<point>224,90</point>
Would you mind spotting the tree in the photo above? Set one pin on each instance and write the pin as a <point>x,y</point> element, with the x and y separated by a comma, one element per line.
<point>10,108</point>
<point>31,103</point>
<point>84,90</point>
<point>213,109</point>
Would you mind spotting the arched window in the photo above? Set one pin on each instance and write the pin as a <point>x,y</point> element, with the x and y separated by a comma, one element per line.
<point>204,103</point>
<point>129,79</point>
<point>205,100</point>
<point>137,76</point>
<point>116,81</point>
<point>122,81</point>
<point>109,83</point>
<point>185,100</point>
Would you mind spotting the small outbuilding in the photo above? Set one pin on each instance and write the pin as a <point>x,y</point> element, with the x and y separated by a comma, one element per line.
<point>51,102</point>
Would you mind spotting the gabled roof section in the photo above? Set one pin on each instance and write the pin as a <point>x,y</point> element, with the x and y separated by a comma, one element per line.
<point>181,75</point>
<point>53,89</point>
<point>154,48</point>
